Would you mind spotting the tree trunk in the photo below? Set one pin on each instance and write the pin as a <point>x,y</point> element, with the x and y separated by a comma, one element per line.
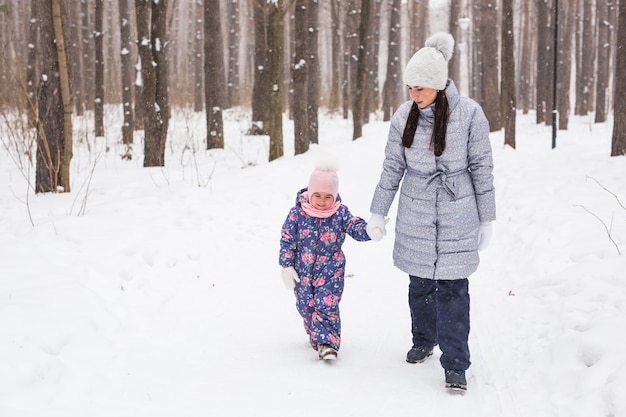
<point>372,87</point>
<point>454,66</point>
<point>393,80</point>
<point>544,60</point>
<point>128,126</point>
<point>300,79</point>
<point>234,27</point>
<point>88,55</point>
<point>31,69</point>
<point>152,119</point>
<point>335,75</point>
<point>420,27</point>
<point>160,44</point>
<point>587,60</point>
<point>509,101</point>
<point>350,37</point>
<point>261,46</point>
<point>618,141</point>
<point>566,37</point>
<point>66,99</point>
<point>214,77</point>
<point>361,72</point>
<point>50,120</point>
<point>313,71</point>
<point>604,62</point>
<point>487,22</point>
<point>276,78</point>
<point>525,62</point>
<point>198,60</point>
<point>75,59</point>
<point>99,71</point>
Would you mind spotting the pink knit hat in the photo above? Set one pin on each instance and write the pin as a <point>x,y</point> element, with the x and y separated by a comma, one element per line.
<point>324,181</point>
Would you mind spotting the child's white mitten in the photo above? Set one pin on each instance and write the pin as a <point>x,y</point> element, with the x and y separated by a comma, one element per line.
<point>290,277</point>
<point>376,227</point>
<point>484,235</point>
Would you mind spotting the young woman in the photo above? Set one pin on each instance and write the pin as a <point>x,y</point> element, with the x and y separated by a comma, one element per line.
<point>439,155</point>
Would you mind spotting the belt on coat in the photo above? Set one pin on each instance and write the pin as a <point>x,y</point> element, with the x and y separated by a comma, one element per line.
<point>440,179</point>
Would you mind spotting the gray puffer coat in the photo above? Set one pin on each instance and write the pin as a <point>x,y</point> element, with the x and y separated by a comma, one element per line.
<point>442,199</point>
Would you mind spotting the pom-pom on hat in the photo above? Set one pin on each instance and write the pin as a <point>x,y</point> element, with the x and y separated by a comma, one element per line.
<point>429,66</point>
<point>324,177</point>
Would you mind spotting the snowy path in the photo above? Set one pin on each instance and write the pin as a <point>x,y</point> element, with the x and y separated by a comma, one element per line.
<point>165,298</point>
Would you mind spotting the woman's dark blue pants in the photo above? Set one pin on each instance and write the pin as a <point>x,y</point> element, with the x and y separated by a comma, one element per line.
<point>440,316</point>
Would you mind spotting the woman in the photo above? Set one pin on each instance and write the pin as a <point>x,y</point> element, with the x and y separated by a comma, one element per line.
<point>438,147</point>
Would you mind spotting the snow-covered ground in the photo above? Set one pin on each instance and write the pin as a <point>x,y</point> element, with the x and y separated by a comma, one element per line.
<point>157,292</point>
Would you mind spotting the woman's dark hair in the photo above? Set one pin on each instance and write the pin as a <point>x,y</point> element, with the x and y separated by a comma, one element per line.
<point>438,137</point>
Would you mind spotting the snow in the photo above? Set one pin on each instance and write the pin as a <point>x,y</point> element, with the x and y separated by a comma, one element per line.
<point>156,291</point>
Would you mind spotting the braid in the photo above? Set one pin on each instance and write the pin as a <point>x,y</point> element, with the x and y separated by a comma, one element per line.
<point>411,126</point>
<point>438,138</point>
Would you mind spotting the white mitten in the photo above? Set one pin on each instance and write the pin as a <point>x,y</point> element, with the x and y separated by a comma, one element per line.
<point>484,235</point>
<point>376,227</point>
<point>290,277</point>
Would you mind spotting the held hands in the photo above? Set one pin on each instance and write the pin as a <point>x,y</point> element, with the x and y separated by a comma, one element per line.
<point>376,227</point>
<point>290,277</point>
<point>484,235</point>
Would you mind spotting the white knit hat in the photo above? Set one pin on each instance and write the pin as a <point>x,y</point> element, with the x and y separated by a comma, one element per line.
<point>429,66</point>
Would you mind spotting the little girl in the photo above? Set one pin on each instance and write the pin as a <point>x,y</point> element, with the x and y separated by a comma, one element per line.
<point>312,260</point>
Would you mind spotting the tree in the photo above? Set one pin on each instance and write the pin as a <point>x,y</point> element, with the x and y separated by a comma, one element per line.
<point>32,66</point>
<point>335,75</point>
<point>300,79</point>
<point>276,61</point>
<point>151,30</point>
<point>53,151</point>
<point>393,80</point>
<point>587,54</point>
<point>566,27</point>
<point>126,69</point>
<point>525,62</point>
<point>99,71</point>
<point>350,48</point>
<point>509,101</point>
<point>66,99</point>
<point>88,55</point>
<point>214,77</point>
<point>604,62</point>
<point>372,87</point>
<point>361,72</point>
<point>234,26</point>
<point>260,86</point>
<point>456,12</point>
<point>313,71</point>
<point>544,66</point>
<point>618,141</point>
<point>486,21</point>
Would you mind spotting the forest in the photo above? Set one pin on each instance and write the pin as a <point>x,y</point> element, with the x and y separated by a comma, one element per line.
<point>66,58</point>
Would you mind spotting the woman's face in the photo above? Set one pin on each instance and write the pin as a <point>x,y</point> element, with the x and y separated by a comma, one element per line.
<point>422,96</point>
<point>322,201</point>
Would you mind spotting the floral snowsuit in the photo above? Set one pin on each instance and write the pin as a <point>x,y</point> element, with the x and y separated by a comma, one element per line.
<point>312,246</point>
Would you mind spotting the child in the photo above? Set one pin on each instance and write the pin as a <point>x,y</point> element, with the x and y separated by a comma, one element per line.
<point>311,256</point>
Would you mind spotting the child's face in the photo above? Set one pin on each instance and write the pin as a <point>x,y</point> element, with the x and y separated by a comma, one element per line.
<point>322,201</point>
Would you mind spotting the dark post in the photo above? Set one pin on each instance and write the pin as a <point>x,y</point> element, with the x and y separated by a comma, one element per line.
<point>554,71</point>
